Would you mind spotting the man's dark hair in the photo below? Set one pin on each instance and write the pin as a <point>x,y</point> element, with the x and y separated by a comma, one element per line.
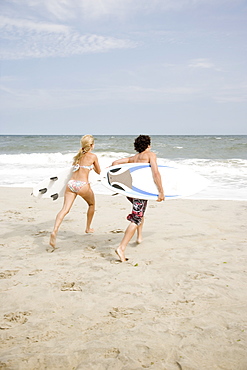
<point>141,143</point>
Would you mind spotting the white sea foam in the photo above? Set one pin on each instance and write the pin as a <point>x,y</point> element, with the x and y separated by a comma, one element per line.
<point>26,170</point>
<point>228,178</point>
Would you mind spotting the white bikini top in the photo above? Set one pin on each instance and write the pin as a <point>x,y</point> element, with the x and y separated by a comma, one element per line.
<point>77,166</point>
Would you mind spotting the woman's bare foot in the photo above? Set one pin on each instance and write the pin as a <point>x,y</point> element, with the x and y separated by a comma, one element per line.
<point>53,240</point>
<point>120,254</point>
<point>89,231</point>
<point>138,240</point>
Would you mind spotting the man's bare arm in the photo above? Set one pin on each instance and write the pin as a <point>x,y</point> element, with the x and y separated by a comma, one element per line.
<point>157,177</point>
<point>121,161</point>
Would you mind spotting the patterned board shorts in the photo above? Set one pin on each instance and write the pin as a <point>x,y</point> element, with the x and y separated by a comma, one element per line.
<point>138,210</point>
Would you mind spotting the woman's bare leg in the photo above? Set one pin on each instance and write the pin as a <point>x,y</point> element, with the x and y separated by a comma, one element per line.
<point>69,198</point>
<point>88,196</point>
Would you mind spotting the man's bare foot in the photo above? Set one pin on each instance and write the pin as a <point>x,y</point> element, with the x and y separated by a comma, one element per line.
<point>138,240</point>
<point>120,254</point>
<point>53,240</point>
<point>89,231</point>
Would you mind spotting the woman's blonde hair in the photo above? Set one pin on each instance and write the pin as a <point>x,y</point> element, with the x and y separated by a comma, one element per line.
<point>87,142</point>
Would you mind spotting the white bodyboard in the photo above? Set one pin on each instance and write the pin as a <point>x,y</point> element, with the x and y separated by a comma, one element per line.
<point>135,180</point>
<point>54,186</point>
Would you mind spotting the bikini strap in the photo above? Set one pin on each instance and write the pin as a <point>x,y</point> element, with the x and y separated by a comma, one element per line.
<point>77,166</point>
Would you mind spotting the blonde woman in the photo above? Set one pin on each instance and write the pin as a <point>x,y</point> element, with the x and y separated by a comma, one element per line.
<point>83,163</point>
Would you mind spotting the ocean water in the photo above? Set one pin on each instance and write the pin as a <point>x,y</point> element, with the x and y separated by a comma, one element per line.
<point>25,160</point>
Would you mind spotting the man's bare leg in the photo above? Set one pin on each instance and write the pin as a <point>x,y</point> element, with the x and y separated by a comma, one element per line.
<point>129,232</point>
<point>139,232</point>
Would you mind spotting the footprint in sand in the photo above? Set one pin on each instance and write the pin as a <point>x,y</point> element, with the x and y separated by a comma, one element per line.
<point>70,286</point>
<point>8,274</point>
<point>34,272</point>
<point>41,232</point>
<point>203,275</point>
<point>117,231</point>
<point>119,312</point>
<point>91,247</point>
<point>14,318</point>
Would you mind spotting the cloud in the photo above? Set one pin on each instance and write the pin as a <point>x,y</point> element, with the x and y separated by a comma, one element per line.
<point>53,99</point>
<point>66,10</point>
<point>70,98</point>
<point>201,63</point>
<point>232,94</point>
<point>28,39</point>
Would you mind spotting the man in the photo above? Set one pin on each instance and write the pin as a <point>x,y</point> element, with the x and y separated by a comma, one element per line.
<point>142,145</point>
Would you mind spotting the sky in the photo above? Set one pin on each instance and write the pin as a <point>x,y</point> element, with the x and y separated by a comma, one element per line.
<point>175,67</point>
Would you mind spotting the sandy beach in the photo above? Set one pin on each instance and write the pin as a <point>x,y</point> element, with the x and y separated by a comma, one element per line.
<point>179,303</point>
